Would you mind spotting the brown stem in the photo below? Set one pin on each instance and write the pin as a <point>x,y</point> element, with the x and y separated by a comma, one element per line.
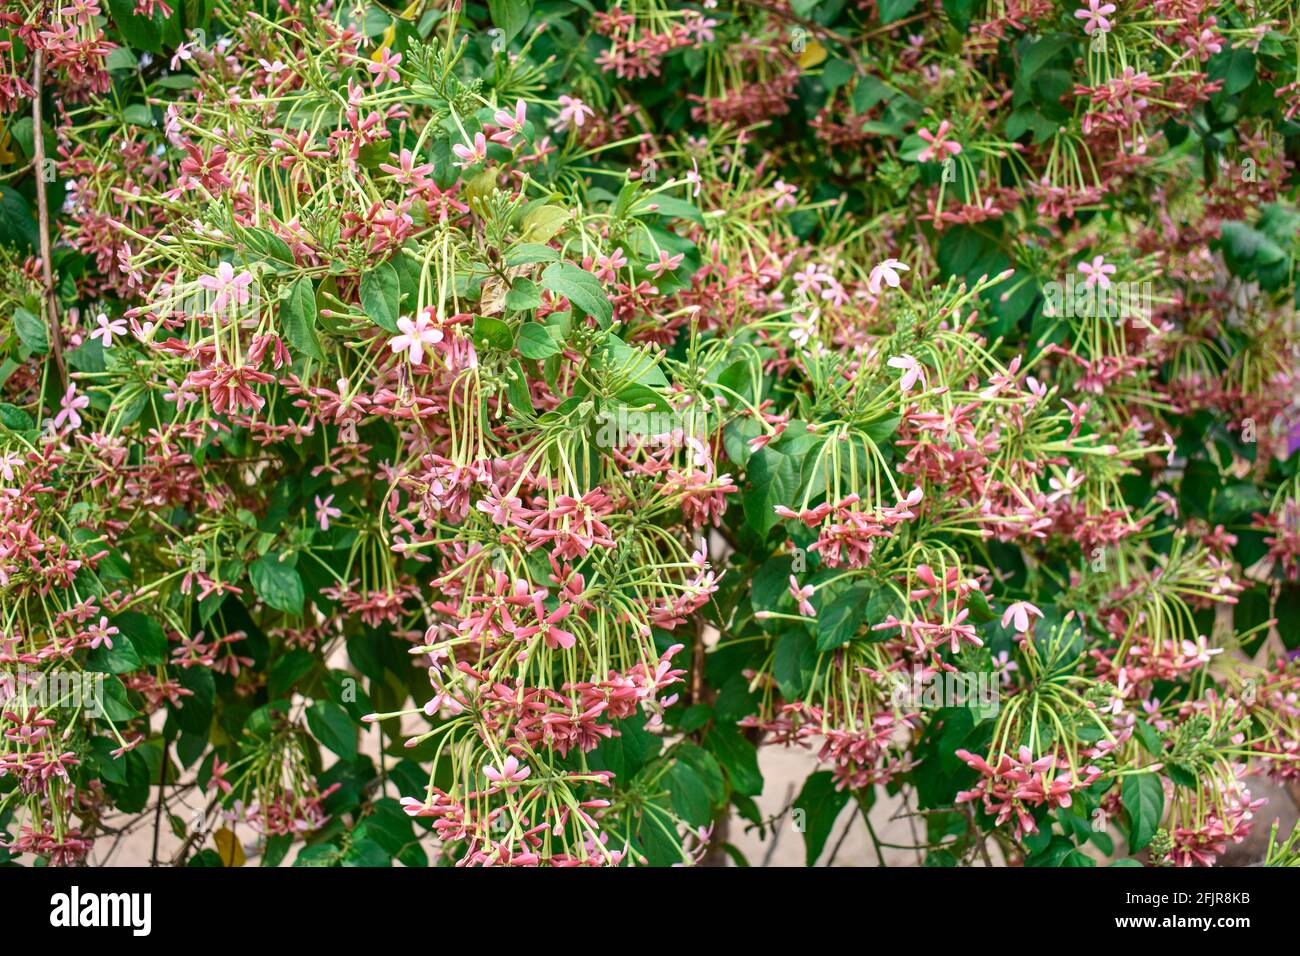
<point>50,304</point>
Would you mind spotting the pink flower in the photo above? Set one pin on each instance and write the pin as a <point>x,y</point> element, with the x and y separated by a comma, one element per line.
<point>406,172</point>
<point>218,777</point>
<point>666,263</point>
<point>912,371</point>
<point>101,633</point>
<point>108,329</point>
<point>1097,273</point>
<point>573,110</point>
<point>8,461</point>
<point>72,403</point>
<point>693,178</point>
<point>510,772</point>
<point>386,67</point>
<point>1095,14</point>
<point>511,126</point>
<point>226,284</point>
<point>607,266</point>
<point>325,511</point>
<point>938,144</point>
<point>801,596</point>
<point>888,272</point>
<point>785,195</point>
<point>1019,614</point>
<point>470,155</point>
<point>417,335</point>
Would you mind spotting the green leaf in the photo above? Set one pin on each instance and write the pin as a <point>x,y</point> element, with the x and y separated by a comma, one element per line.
<point>15,419</point>
<point>493,333</point>
<point>737,757</point>
<point>836,73</point>
<point>1036,54</point>
<point>330,724</point>
<point>960,13</point>
<point>268,244</point>
<point>543,223</point>
<point>17,223</point>
<point>523,295</point>
<point>141,33</point>
<point>675,208</point>
<point>31,332</point>
<point>643,398</point>
<point>773,478</point>
<point>528,252</point>
<point>581,288</point>
<point>509,15</point>
<point>146,636</point>
<point>288,670</point>
<point>891,10</point>
<point>277,583</point>
<point>689,798</point>
<point>796,657</point>
<point>535,342</point>
<point>381,295</point>
<point>706,768</point>
<point>298,314</point>
<point>869,91</point>
<point>839,621</point>
<point>820,804</point>
<point>194,712</point>
<point>630,362</point>
<point>1144,801</point>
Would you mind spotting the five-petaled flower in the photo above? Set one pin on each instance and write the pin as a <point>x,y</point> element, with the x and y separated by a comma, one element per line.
<point>913,371</point>
<point>1095,13</point>
<point>1018,614</point>
<point>107,329</point>
<point>227,285</point>
<point>511,771</point>
<point>71,404</point>
<point>385,68</point>
<point>939,143</point>
<point>666,263</point>
<point>416,336</point>
<point>887,272</point>
<point>325,510</point>
<point>470,155</point>
<point>1098,273</point>
<point>573,110</point>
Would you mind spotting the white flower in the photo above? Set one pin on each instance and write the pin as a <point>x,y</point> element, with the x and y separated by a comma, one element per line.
<point>888,271</point>
<point>912,370</point>
<point>108,329</point>
<point>418,334</point>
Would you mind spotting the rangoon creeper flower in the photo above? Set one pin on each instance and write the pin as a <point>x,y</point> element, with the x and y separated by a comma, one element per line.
<point>473,154</point>
<point>226,284</point>
<point>1018,614</point>
<point>510,772</point>
<point>913,371</point>
<point>939,144</point>
<point>1095,13</point>
<point>325,511</point>
<point>887,272</point>
<point>108,329</point>
<point>1098,272</point>
<point>416,336</point>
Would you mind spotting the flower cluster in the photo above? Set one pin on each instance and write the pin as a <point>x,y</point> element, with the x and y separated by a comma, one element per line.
<point>471,435</point>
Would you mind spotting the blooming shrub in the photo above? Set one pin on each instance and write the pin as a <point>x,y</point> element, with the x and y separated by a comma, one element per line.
<point>472,434</point>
